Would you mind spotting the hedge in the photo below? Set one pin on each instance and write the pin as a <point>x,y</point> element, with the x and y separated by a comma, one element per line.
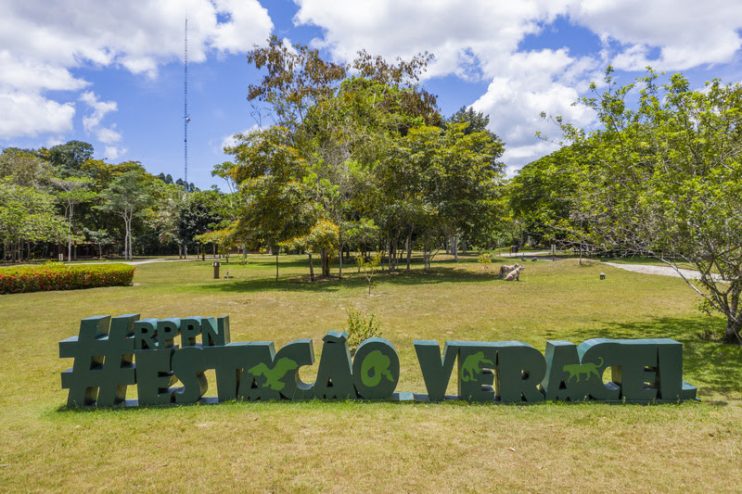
<point>62,277</point>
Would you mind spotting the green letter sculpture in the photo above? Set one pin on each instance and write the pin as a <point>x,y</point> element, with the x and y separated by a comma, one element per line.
<point>111,354</point>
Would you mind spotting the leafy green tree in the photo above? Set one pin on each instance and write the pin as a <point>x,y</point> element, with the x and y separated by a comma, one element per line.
<point>369,266</point>
<point>25,167</point>
<point>476,121</point>
<point>663,178</point>
<point>442,182</point>
<point>71,192</point>
<point>127,196</point>
<point>27,215</point>
<point>100,238</point>
<point>371,146</point>
<point>222,240</point>
<point>297,77</point>
<point>68,157</point>
<point>275,202</point>
<point>543,197</point>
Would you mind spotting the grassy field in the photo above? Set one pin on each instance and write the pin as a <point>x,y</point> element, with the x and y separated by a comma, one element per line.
<point>377,447</point>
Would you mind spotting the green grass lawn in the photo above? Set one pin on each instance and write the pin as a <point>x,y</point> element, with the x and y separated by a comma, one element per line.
<point>379,447</point>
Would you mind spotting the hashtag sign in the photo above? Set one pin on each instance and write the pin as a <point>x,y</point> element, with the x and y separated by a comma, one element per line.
<point>103,366</point>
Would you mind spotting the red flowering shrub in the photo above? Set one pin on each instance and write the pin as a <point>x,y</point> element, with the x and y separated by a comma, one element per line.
<point>63,277</point>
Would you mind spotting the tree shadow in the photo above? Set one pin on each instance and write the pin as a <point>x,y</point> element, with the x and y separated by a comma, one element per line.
<point>353,279</point>
<point>712,366</point>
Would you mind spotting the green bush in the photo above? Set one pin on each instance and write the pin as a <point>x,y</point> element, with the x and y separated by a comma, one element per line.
<point>361,327</point>
<point>62,277</point>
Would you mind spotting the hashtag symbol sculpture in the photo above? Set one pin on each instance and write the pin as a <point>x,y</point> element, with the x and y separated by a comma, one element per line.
<point>103,365</point>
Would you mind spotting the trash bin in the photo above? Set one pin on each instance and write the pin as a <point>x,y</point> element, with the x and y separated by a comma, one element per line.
<point>216,270</point>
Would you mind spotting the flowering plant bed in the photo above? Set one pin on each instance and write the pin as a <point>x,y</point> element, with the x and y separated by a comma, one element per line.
<point>63,277</point>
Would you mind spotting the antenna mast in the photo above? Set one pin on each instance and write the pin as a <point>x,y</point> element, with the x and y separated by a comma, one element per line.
<point>186,116</point>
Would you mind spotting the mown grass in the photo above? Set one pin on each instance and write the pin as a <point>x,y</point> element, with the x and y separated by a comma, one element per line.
<point>378,447</point>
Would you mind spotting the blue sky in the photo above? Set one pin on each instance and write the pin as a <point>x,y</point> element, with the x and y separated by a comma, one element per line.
<point>111,72</point>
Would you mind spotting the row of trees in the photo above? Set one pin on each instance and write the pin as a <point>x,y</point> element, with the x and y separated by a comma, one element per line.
<point>61,200</point>
<point>359,157</point>
<point>661,177</point>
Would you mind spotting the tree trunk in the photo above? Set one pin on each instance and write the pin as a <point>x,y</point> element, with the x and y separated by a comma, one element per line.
<point>311,266</point>
<point>734,328</point>
<point>455,247</point>
<point>393,255</point>
<point>276,264</point>
<point>340,261</point>
<point>126,238</point>
<point>325,259</point>
<point>408,247</point>
<point>69,233</point>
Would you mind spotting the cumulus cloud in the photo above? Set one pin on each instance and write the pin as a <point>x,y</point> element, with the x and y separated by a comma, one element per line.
<point>532,83</point>
<point>477,32</point>
<point>100,109</point>
<point>42,44</point>
<point>29,115</point>
<point>231,139</point>
<point>686,33</point>
<point>112,153</point>
<point>481,39</point>
<point>92,122</point>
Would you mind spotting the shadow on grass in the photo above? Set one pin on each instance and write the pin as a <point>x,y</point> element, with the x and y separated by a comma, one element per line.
<point>352,279</point>
<point>712,366</point>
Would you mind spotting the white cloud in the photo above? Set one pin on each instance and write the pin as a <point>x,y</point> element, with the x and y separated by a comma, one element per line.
<point>29,115</point>
<point>112,153</point>
<point>479,31</point>
<point>100,109</point>
<point>42,44</point>
<point>532,83</point>
<point>108,135</point>
<point>92,122</point>
<point>231,139</point>
<point>687,33</point>
<point>481,38</point>
<point>32,75</point>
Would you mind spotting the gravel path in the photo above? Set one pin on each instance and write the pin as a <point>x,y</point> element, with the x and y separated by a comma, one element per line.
<point>130,263</point>
<point>540,253</point>
<point>659,270</point>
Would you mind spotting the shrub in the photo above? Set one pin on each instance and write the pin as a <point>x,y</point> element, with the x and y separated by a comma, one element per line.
<point>485,259</point>
<point>62,277</point>
<point>361,327</point>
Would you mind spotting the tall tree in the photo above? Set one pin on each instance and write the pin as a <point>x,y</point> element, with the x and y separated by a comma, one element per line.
<point>543,197</point>
<point>275,189</point>
<point>27,215</point>
<point>69,157</point>
<point>663,178</point>
<point>127,196</point>
<point>476,121</point>
<point>297,77</point>
<point>25,167</point>
<point>71,192</point>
